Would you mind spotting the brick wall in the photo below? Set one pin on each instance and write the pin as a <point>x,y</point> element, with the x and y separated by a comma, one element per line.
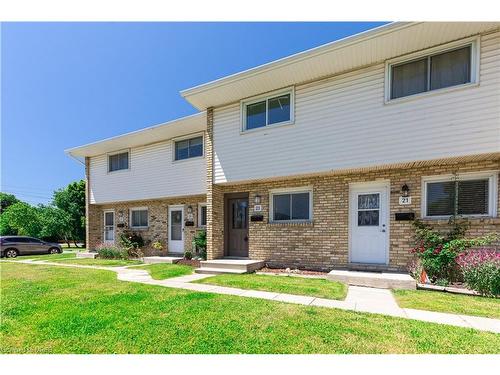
<point>158,221</point>
<point>323,244</point>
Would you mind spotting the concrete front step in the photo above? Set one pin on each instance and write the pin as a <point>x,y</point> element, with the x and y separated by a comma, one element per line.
<point>383,280</point>
<point>86,254</point>
<point>158,259</point>
<point>234,266</point>
<point>219,271</point>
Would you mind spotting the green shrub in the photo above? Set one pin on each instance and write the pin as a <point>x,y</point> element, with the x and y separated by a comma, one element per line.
<point>131,240</point>
<point>437,251</point>
<point>481,271</point>
<point>107,251</point>
<point>200,244</point>
<point>188,254</point>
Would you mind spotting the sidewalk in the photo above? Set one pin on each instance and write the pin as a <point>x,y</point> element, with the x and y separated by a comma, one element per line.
<point>362,299</point>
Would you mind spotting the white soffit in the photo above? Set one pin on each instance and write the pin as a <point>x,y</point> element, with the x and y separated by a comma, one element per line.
<point>359,50</point>
<point>176,128</point>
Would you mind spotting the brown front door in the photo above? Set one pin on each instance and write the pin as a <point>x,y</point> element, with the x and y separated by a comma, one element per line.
<point>236,207</point>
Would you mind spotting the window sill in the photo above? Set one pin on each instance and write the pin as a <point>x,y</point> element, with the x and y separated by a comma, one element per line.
<point>430,93</point>
<point>307,223</point>
<point>473,219</point>
<point>188,159</point>
<point>119,171</point>
<point>139,228</point>
<point>267,127</point>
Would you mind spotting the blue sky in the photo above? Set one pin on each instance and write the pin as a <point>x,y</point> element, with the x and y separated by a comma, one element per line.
<point>67,84</point>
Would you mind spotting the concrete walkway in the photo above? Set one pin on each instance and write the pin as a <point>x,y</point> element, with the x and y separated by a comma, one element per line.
<point>362,299</point>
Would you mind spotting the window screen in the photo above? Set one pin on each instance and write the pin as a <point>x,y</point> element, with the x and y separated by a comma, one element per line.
<point>117,162</point>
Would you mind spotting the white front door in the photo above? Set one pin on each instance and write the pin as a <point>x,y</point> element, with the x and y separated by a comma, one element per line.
<point>176,229</point>
<point>369,223</point>
<point>109,226</point>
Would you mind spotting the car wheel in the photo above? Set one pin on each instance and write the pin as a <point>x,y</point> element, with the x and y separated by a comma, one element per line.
<point>11,253</point>
<point>53,250</point>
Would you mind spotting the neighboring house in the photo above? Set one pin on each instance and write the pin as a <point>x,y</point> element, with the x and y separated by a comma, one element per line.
<point>321,159</point>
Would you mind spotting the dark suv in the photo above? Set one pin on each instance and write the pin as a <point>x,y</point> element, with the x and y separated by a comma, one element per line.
<point>12,246</point>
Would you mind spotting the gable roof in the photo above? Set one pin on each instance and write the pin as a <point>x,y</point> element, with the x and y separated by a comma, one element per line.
<point>366,48</point>
<point>175,128</point>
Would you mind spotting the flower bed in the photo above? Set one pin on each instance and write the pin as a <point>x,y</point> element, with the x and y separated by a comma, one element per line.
<point>481,270</point>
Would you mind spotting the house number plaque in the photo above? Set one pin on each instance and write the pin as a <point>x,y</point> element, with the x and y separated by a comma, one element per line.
<point>404,201</point>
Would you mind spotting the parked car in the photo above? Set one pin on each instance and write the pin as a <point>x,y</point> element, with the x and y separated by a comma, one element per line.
<point>12,246</point>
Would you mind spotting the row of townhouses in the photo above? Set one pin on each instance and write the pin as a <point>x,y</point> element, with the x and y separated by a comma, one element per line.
<point>318,160</point>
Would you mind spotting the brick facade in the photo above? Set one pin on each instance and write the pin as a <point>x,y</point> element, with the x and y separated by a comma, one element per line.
<point>158,221</point>
<point>323,244</point>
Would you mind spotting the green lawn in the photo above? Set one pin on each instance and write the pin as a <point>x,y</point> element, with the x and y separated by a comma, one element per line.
<point>281,284</point>
<point>48,257</point>
<point>99,262</point>
<point>47,309</point>
<point>161,271</point>
<point>448,302</point>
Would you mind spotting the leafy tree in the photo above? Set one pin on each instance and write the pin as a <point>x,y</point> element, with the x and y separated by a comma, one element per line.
<point>71,199</point>
<point>23,218</point>
<point>56,224</point>
<point>7,200</point>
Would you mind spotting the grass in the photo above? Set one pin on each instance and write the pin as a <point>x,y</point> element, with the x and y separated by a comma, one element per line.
<point>161,271</point>
<point>448,302</point>
<point>47,257</point>
<point>47,309</point>
<point>99,262</point>
<point>281,284</point>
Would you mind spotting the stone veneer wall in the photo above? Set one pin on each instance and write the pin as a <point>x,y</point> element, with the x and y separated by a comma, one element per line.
<point>158,221</point>
<point>323,244</point>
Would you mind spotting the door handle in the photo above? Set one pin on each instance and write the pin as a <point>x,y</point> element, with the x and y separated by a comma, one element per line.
<point>383,230</point>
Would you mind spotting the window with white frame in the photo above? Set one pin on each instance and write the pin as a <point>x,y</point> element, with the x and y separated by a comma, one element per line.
<point>188,148</point>
<point>446,67</point>
<point>292,205</point>
<point>274,109</point>
<point>202,215</point>
<point>462,195</point>
<point>139,217</point>
<point>118,161</point>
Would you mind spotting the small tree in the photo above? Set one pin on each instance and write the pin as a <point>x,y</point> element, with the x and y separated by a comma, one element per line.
<point>56,224</point>
<point>7,200</point>
<point>71,199</point>
<point>22,217</point>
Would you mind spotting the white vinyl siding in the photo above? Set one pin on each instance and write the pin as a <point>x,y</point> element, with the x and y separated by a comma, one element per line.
<point>344,123</point>
<point>152,174</point>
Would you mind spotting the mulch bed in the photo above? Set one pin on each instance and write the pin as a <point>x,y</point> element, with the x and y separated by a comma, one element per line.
<point>189,262</point>
<point>293,271</point>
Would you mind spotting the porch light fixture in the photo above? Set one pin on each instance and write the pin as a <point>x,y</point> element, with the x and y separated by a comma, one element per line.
<point>190,210</point>
<point>256,200</point>
<point>121,217</point>
<point>405,190</point>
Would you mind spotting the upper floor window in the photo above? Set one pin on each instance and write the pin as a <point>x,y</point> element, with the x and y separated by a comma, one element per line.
<point>432,71</point>
<point>118,161</point>
<point>273,109</point>
<point>465,195</point>
<point>189,148</point>
<point>139,217</point>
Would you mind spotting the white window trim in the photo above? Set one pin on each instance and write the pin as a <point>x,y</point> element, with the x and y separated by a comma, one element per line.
<point>474,42</point>
<point>127,150</point>
<point>138,209</point>
<point>255,99</point>
<point>200,205</point>
<point>492,177</point>
<point>183,138</point>
<point>302,189</point>
<point>104,226</point>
